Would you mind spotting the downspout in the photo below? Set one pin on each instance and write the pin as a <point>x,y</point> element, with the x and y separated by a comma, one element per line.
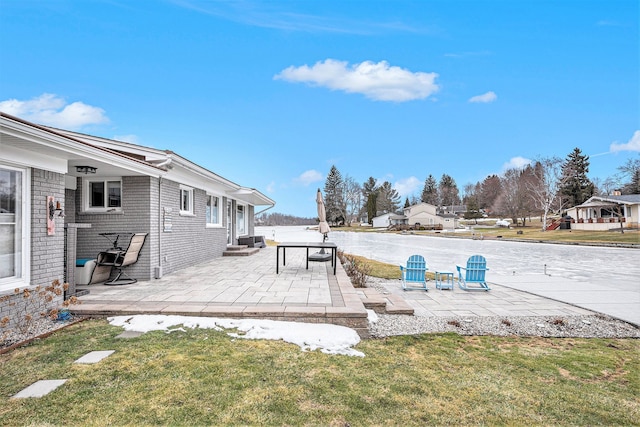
<point>159,269</point>
<point>263,210</point>
<point>159,272</point>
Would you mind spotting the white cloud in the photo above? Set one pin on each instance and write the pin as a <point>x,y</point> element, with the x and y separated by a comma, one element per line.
<point>272,15</point>
<point>608,23</point>
<point>407,186</point>
<point>52,110</point>
<point>467,54</point>
<point>271,187</point>
<point>127,138</point>
<point>309,177</point>
<point>377,81</point>
<point>516,163</point>
<point>632,145</point>
<point>484,98</point>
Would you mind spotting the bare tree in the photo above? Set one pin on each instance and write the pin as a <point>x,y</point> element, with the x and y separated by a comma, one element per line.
<point>605,187</point>
<point>545,186</point>
<point>630,176</point>
<point>352,194</point>
<point>513,200</point>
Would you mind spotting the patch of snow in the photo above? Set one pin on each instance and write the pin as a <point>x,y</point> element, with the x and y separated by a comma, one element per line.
<point>372,316</point>
<point>329,339</point>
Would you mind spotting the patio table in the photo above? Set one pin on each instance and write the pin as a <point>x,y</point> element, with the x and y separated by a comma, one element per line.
<point>306,245</point>
<point>444,280</point>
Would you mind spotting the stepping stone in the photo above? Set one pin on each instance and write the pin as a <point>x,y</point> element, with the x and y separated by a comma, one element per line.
<point>94,356</point>
<point>39,389</point>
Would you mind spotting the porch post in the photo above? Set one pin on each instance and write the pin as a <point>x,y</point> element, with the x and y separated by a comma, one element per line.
<point>71,243</point>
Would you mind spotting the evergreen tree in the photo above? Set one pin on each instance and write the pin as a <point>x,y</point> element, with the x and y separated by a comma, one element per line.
<point>576,187</point>
<point>472,211</point>
<point>372,206</point>
<point>406,203</point>
<point>334,199</point>
<point>490,190</point>
<point>388,198</point>
<point>449,193</point>
<point>471,201</point>
<point>370,195</point>
<point>430,191</point>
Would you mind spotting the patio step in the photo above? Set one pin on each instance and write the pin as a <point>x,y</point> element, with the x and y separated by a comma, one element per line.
<point>239,250</point>
<point>387,304</point>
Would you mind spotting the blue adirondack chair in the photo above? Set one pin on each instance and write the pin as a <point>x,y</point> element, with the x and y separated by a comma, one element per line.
<point>473,277</point>
<point>414,273</point>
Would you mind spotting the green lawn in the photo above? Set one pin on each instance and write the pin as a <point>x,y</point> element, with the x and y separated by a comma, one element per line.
<point>203,377</point>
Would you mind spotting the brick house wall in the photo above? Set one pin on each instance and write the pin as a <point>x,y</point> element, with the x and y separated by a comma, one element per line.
<point>47,252</point>
<point>139,207</point>
<point>190,241</point>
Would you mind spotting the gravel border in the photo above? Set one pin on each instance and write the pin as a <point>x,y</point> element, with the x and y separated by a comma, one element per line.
<point>38,328</point>
<point>583,326</point>
<point>592,326</point>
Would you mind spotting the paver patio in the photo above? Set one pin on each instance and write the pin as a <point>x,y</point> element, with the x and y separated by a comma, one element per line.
<point>248,287</point>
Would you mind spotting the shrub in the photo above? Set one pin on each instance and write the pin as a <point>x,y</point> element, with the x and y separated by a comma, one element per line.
<point>355,269</point>
<point>30,304</point>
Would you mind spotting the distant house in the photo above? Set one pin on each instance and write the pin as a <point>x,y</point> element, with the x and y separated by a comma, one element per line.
<point>388,219</point>
<point>450,222</point>
<point>61,191</point>
<point>423,214</point>
<point>459,210</point>
<point>606,212</point>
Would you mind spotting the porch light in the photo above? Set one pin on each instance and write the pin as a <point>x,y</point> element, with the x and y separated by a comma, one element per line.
<point>86,169</point>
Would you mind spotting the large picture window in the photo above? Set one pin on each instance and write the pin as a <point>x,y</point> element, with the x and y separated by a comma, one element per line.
<point>212,211</point>
<point>103,194</point>
<point>13,227</point>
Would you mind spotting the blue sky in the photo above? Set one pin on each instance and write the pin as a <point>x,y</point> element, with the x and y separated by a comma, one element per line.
<point>271,94</point>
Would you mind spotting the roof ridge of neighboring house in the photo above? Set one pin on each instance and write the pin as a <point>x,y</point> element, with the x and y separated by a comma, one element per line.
<point>629,198</point>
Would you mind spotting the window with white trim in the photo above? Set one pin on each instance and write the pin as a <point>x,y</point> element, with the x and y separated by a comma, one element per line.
<point>103,194</point>
<point>186,200</point>
<point>14,234</point>
<point>212,211</point>
<point>241,220</point>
